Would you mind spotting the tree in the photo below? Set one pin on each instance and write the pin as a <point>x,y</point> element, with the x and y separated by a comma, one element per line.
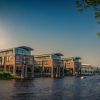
<point>94,4</point>
<point>98,34</point>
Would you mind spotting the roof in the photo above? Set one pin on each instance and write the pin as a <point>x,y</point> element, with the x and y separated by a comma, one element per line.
<point>6,50</point>
<point>44,55</point>
<point>71,58</point>
<point>85,64</point>
<point>58,54</point>
<point>25,47</point>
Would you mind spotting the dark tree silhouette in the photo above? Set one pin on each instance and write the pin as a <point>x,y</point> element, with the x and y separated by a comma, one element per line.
<point>93,4</point>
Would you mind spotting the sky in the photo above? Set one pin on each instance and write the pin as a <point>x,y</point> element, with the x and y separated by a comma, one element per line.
<point>50,26</point>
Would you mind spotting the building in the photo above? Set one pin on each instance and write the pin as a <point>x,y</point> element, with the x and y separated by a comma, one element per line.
<point>49,64</point>
<point>88,69</point>
<point>18,61</point>
<point>72,65</point>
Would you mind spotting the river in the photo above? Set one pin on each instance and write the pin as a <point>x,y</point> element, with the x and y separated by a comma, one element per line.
<point>67,88</point>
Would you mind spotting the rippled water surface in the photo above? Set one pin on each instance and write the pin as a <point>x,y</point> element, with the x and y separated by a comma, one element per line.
<point>67,88</point>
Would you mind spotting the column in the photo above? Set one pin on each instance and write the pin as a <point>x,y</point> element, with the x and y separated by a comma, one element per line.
<point>14,70</point>
<point>25,71</point>
<point>4,68</point>
<point>58,71</point>
<point>22,72</point>
<point>74,71</point>
<point>9,68</point>
<point>52,72</point>
<point>32,71</point>
<point>63,71</point>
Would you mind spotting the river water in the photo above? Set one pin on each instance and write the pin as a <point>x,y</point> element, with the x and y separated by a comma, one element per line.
<point>67,88</point>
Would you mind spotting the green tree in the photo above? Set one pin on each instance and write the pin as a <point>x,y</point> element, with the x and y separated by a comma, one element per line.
<point>93,4</point>
<point>98,34</point>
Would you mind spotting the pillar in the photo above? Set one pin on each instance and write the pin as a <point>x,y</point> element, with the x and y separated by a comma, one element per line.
<point>14,70</point>
<point>32,71</point>
<point>5,68</point>
<point>22,72</point>
<point>63,71</point>
<point>52,74</point>
<point>74,71</point>
<point>59,71</point>
<point>26,71</point>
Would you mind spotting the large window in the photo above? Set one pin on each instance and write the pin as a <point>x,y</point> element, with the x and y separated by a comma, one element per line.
<point>22,51</point>
<point>18,59</point>
<point>9,52</point>
<point>56,57</point>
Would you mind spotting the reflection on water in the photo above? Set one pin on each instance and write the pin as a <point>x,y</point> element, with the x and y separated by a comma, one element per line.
<point>68,88</point>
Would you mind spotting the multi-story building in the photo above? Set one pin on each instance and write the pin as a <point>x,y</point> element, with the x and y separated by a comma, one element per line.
<point>18,61</point>
<point>50,64</point>
<point>88,69</point>
<point>72,65</point>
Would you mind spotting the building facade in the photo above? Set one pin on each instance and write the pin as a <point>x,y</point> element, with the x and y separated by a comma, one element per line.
<point>87,69</point>
<point>72,65</point>
<point>18,61</point>
<point>49,64</point>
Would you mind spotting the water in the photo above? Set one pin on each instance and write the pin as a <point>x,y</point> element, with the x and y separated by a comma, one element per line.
<point>68,88</point>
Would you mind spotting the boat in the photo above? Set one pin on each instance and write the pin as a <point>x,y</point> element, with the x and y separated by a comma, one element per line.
<point>82,77</point>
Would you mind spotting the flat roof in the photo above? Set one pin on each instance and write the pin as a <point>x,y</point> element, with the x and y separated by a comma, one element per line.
<point>46,55</point>
<point>24,47</point>
<point>6,50</point>
<point>71,58</point>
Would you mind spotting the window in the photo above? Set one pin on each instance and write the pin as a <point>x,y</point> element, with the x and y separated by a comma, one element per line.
<point>8,52</point>
<point>6,59</point>
<point>56,57</point>
<point>17,59</point>
<point>18,70</point>
<point>31,60</point>
<point>22,51</point>
<point>11,69</point>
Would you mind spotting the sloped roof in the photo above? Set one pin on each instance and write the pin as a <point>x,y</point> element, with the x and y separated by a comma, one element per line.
<point>58,54</point>
<point>25,47</point>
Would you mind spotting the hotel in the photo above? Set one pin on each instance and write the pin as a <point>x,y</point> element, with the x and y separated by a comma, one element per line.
<point>88,69</point>
<point>72,65</point>
<point>17,61</point>
<point>49,64</point>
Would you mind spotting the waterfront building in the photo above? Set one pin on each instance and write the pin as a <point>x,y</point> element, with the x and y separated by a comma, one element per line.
<point>18,61</point>
<point>49,64</point>
<point>88,69</point>
<point>72,65</point>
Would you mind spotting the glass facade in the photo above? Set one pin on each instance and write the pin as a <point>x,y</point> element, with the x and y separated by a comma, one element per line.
<point>56,57</point>
<point>22,51</point>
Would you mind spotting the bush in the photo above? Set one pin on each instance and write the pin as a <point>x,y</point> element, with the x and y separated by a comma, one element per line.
<point>5,75</point>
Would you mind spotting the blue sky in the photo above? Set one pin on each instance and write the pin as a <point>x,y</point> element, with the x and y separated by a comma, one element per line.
<point>50,26</point>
